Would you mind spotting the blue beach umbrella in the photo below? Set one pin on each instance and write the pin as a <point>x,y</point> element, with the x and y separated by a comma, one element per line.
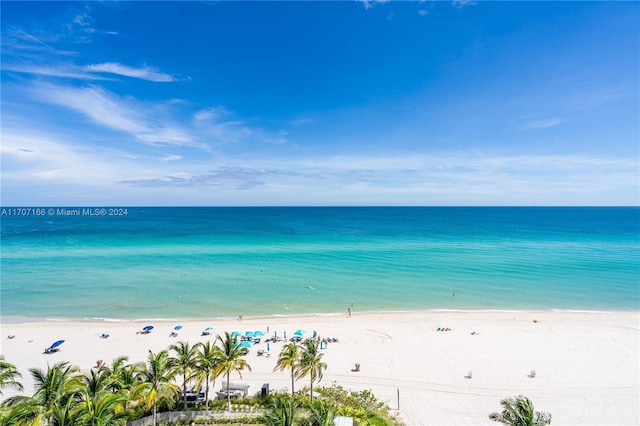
<point>299,333</point>
<point>245,345</point>
<point>249,334</point>
<point>268,348</point>
<point>235,333</point>
<point>56,344</point>
<point>258,333</point>
<point>148,328</point>
<point>177,327</point>
<point>52,347</point>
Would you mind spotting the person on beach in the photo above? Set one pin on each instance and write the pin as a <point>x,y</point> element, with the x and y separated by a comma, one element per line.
<point>349,311</point>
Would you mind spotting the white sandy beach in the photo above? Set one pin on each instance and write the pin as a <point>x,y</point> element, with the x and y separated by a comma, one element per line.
<point>586,363</point>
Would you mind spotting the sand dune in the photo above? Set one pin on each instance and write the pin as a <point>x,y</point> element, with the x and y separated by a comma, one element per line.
<point>586,363</point>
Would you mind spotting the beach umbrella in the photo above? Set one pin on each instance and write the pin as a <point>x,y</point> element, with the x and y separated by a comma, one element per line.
<point>235,333</point>
<point>148,328</point>
<point>249,333</point>
<point>208,329</point>
<point>56,344</point>
<point>177,327</point>
<point>246,344</point>
<point>268,348</point>
<point>258,333</point>
<point>299,333</point>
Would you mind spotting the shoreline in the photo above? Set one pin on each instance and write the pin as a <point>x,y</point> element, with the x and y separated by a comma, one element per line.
<point>14,319</point>
<point>587,363</point>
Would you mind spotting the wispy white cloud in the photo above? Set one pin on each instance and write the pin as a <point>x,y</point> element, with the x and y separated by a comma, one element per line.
<point>546,123</point>
<point>458,4</point>
<point>445,178</point>
<point>368,4</point>
<point>32,38</point>
<point>144,73</point>
<point>88,72</point>
<point>210,114</point>
<point>51,70</point>
<point>97,104</point>
<point>221,125</point>
<point>122,114</point>
<point>171,157</point>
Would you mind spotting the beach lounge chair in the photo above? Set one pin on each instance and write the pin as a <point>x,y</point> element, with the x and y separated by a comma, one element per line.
<point>260,352</point>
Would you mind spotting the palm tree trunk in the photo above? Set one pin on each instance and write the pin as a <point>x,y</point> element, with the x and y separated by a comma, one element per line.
<point>155,420</point>
<point>228,396</point>
<point>311,388</point>
<point>292,381</point>
<point>206,396</point>
<point>184,391</point>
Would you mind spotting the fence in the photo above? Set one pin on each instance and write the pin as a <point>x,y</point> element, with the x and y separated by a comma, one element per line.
<point>193,416</point>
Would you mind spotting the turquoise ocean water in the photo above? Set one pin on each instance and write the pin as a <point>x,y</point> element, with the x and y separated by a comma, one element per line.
<point>222,262</point>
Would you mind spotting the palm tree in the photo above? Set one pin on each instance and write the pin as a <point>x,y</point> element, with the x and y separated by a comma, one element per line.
<point>230,358</point>
<point>102,409</point>
<point>206,360</point>
<point>65,414</point>
<point>9,375</point>
<point>289,358</point>
<point>54,390</point>
<point>281,412</point>
<point>96,381</point>
<point>322,413</point>
<point>124,378</point>
<point>157,377</point>
<point>311,362</point>
<point>186,361</point>
<point>519,412</point>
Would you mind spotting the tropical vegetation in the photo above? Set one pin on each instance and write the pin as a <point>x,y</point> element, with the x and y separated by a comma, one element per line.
<point>116,393</point>
<point>519,411</point>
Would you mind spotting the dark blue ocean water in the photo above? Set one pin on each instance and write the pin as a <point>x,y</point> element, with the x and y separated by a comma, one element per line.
<point>197,262</point>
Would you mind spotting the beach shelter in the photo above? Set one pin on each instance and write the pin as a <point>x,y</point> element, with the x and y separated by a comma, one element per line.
<point>54,346</point>
<point>245,345</point>
<point>148,328</point>
<point>300,333</point>
<point>177,327</point>
<point>235,334</point>
<point>258,333</point>
<point>249,333</point>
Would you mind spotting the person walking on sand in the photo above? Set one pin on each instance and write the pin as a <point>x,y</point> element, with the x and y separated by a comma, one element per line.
<point>349,311</point>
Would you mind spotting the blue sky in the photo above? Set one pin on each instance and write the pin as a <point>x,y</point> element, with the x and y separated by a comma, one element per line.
<point>320,103</point>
